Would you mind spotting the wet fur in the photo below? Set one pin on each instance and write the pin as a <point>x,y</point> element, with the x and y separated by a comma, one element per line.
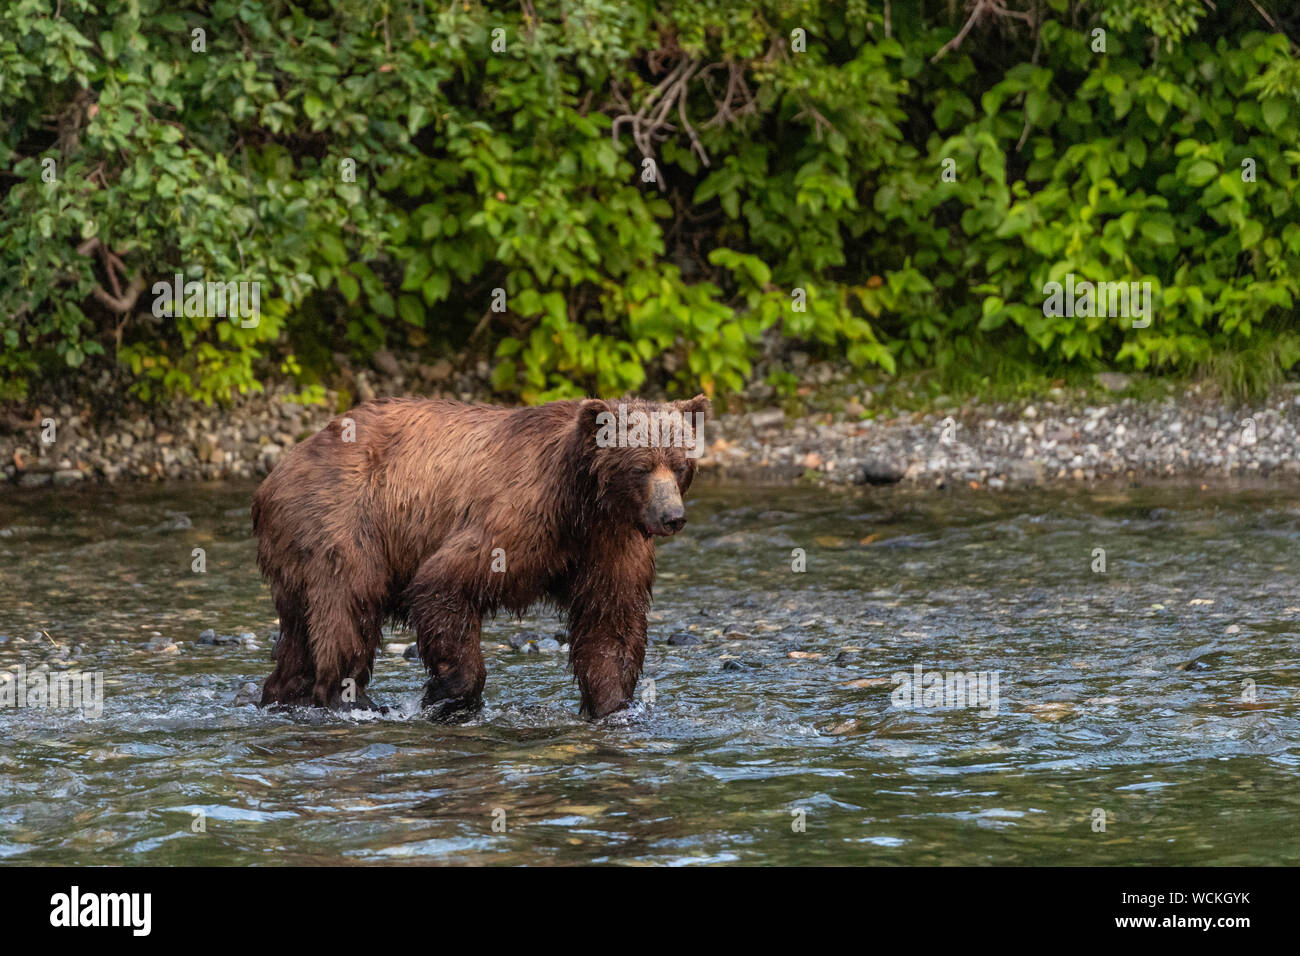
<point>401,525</point>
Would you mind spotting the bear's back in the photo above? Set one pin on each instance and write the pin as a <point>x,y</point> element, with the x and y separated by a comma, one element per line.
<point>393,479</point>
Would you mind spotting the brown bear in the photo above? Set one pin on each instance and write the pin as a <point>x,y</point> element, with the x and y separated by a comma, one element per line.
<point>434,513</point>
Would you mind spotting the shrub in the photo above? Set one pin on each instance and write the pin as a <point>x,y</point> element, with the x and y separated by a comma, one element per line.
<point>854,181</point>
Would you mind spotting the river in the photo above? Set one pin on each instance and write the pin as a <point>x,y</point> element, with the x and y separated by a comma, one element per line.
<point>1159,694</point>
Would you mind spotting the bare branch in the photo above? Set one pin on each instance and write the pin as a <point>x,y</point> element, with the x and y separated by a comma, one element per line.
<point>123,303</point>
<point>981,8</point>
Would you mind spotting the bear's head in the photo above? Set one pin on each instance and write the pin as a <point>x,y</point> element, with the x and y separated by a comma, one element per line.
<point>642,456</point>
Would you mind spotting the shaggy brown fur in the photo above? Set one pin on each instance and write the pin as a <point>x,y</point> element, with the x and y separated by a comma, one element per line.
<point>403,522</point>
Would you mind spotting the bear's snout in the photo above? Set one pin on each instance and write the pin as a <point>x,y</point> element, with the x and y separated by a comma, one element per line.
<point>664,515</point>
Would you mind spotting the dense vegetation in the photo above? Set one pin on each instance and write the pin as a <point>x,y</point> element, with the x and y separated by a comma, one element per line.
<point>891,182</point>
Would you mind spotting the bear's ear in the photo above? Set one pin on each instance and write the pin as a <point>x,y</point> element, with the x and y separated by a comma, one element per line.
<point>700,404</point>
<point>589,410</point>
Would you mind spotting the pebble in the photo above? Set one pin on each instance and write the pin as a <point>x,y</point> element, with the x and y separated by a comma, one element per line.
<point>880,471</point>
<point>384,361</point>
<point>244,639</point>
<point>523,640</point>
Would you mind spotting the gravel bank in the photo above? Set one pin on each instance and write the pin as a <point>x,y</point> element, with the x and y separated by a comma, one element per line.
<point>190,440</point>
<point>999,446</point>
<point>990,445</point>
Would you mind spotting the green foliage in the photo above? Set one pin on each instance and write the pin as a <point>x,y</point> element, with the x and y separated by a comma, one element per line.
<point>1142,175</point>
<point>800,192</point>
<point>1167,20</point>
<point>1255,370</point>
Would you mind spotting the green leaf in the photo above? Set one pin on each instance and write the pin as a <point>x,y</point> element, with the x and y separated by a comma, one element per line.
<point>1157,232</point>
<point>411,310</point>
<point>1200,173</point>
<point>349,287</point>
<point>1275,110</point>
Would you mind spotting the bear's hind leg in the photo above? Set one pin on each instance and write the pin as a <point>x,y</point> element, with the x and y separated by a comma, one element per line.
<point>292,677</point>
<point>454,659</point>
<point>362,666</point>
<point>342,639</point>
<point>447,631</point>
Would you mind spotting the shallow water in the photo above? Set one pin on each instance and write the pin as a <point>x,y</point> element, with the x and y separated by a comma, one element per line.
<point>1125,692</point>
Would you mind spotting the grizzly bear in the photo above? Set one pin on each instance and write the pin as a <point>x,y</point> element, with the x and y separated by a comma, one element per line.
<point>435,513</point>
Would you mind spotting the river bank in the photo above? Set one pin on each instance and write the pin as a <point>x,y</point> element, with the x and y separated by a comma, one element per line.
<point>1068,435</point>
<point>1001,445</point>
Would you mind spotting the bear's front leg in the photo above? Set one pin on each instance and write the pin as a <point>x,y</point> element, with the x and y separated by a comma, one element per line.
<point>447,631</point>
<point>607,651</point>
<point>608,600</point>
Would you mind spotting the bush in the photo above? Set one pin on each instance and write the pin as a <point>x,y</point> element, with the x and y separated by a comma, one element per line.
<point>863,187</point>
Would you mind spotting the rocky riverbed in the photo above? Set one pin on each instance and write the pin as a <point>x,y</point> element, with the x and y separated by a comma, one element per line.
<point>1065,438</point>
